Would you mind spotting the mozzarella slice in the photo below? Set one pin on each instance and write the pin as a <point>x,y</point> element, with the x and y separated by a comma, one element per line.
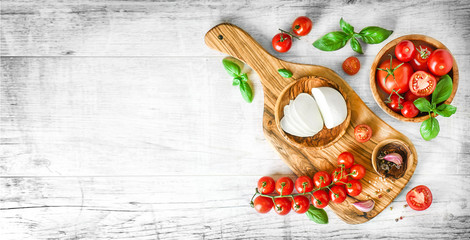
<point>332,105</point>
<point>294,120</point>
<point>307,110</point>
<point>287,127</point>
<point>290,120</point>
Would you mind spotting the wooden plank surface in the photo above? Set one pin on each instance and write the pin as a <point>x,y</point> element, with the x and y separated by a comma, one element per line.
<point>109,108</point>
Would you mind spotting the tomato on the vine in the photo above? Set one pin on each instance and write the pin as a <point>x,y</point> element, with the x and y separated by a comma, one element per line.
<point>358,171</point>
<point>282,42</point>
<point>362,133</point>
<point>353,187</point>
<point>351,65</point>
<point>405,50</point>
<point>394,75</point>
<point>300,204</point>
<point>440,62</point>
<point>302,26</point>
<point>346,159</point>
<point>422,83</point>
<point>284,186</point>
<point>303,184</point>
<point>419,198</point>
<point>320,199</point>
<point>395,102</point>
<point>266,185</point>
<point>409,110</point>
<point>321,179</point>
<point>420,58</point>
<point>282,205</point>
<point>337,194</point>
<point>263,204</point>
<point>339,176</point>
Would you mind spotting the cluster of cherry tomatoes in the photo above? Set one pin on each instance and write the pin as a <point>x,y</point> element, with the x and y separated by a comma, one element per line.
<point>322,188</point>
<point>282,42</point>
<point>413,73</point>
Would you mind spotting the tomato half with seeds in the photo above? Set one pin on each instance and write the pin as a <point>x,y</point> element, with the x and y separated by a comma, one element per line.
<point>353,187</point>
<point>390,68</point>
<point>409,110</point>
<point>419,198</point>
<point>300,204</point>
<point>320,199</point>
<point>440,62</point>
<point>358,171</point>
<point>351,65</point>
<point>284,186</point>
<point>302,26</point>
<point>405,50</point>
<point>263,204</point>
<point>395,102</point>
<point>420,58</point>
<point>337,194</point>
<point>303,184</point>
<point>362,133</point>
<point>345,159</point>
<point>282,42</point>
<point>266,185</point>
<point>422,84</point>
<point>282,206</point>
<point>321,179</point>
<point>339,176</point>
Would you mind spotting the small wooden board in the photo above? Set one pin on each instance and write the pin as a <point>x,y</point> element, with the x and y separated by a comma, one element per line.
<point>234,41</point>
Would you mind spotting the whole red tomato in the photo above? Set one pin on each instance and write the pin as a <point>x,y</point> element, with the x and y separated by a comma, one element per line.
<point>263,204</point>
<point>300,204</point>
<point>353,187</point>
<point>390,68</point>
<point>405,50</point>
<point>440,62</point>
<point>282,205</point>
<point>284,186</point>
<point>337,194</point>
<point>282,42</point>
<point>321,179</point>
<point>303,184</point>
<point>395,102</point>
<point>266,185</point>
<point>320,199</point>
<point>420,58</point>
<point>302,26</point>
<point>339,176</point>
<point>358,171</point>
<point>409,110</point>
<point>346,159</point>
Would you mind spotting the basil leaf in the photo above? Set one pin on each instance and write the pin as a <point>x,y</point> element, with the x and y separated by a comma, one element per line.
<point>244,77</point>
<point>356,46</point>
<point>246,91</point>
<point>332,41</point>
<point>445,110</point>
<point>423,104</point>
<point>317,215</point>
<point>429,128</point>
<point>285,73</point>
<point>232,68</point>
<point>374,35</point>
<point>236,81</point>
<point>347,28</point>
<point>443,90</point>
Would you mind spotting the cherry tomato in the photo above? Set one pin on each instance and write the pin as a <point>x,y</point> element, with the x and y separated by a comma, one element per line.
<point>320,199</point>
<point>337,194</point>
<point>263,204</point>
<point>405,50</point>
<point>346,159</point>
<point>422,84</point>
<point>419,198</point>
<point>353,187</point>
<point>440,62</point>
<point>420,58</point>
<point>282,206</point>
<point>358,171</point>
<point>302,26</point>
<point>395,102</point>
<point>282,42</point>
<point>321,179</point>
<point>284,186</point>
<point>266,185</point>
<point>409,110</point>
<point>339,176</point>
<point>301,181</point>
<point>300,204</point>
<point>351,65</point>
<point>402,76</point>
<point>363,133</point>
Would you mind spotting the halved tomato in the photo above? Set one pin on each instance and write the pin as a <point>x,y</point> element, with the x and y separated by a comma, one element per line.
<point>419,198</point>
<point>422,84</point>
<point>362,132</point>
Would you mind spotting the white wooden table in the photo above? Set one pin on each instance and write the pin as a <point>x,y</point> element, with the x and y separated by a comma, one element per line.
<point>117,122</point>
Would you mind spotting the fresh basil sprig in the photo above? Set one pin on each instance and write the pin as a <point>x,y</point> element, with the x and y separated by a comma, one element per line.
<point>317,215</point>
<point>239,79</point>
<point>335,40</point>
<point>429,129</point>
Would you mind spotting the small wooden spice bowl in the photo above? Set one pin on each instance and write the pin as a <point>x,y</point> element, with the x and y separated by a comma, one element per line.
<point>397,146</point>
<point>380,96</point>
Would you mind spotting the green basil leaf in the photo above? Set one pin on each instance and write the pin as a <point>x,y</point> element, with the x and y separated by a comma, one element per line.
<point>285,73</point>
<point>443,90</point>
<point>232,68</point>
<point>347,28</point>
<point>429,128</point>
<point>236,81</point>
<point>332,41</point>
<point>445,110</point>
<point>317,215</point>
<point>246,91</point>
<point>374,35</point>
<point>244,77</point>
<point>423,104</point>
<point>356,46</point>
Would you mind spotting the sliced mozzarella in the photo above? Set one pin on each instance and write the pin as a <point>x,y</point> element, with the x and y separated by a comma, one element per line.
<point>293,120</point>
<point>332,105</point>
<point>308,112</point>
<point>287,127</point>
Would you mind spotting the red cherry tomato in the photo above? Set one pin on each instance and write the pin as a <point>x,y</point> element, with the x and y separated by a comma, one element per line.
<point>419,198</point>
<point>440,62</point>
<point>321,179</point>
<point>320,199</point>
<point>358,171</point>
<point>300,204</point>
<point>420,58</point>
<point>282,42</point>
<point>339,176</point>
<point>302,183</point>
<point>284,186</point>
<point>337,194</point>
<point>346,160</point>
<point>405,50</point>
<point>409,110</point>
<point>402,75</point>
<point>363,133</point>
<point>422,83</point>
<point>353,187</point>
<point>351,65</point>
<point>395,102</point>
<point>302,26</point>
<point>266,185</point>
<point>263,204</point>
<point>282,206</point>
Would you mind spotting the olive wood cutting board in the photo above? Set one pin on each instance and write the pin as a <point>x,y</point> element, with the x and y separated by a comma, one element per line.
<point>306,156</point>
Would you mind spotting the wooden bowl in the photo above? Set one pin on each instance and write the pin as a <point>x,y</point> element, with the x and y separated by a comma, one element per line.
<point>380,96</point>
<point>325,137</point>
<point>398,144</point>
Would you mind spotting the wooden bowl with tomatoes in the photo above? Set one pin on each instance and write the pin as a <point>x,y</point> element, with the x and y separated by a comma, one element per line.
<point>416,75</point>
